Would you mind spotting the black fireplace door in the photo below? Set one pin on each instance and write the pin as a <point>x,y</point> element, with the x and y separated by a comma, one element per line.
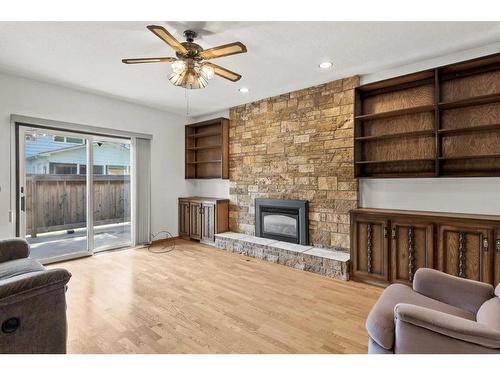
<point>282,224</point>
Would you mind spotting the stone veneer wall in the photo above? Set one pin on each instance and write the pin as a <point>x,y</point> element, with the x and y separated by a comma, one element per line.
<point>297,146</point>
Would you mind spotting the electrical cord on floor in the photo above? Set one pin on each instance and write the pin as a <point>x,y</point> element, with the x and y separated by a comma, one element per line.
<point>167,239</point>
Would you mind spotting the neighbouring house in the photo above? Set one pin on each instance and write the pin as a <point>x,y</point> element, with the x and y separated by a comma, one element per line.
<point>53,154</point>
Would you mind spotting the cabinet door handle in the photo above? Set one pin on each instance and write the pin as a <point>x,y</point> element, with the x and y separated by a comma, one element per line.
<point>498,245</point>
<point>485,244</point>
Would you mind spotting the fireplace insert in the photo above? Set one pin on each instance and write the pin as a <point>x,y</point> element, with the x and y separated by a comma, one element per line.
<point>282,220</point>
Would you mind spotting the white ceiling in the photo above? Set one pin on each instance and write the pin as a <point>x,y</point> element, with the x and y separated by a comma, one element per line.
<point>282,56</point>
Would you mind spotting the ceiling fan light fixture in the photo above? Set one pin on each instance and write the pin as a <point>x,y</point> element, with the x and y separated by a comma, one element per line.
<point>190,75</point>
<point>178,66</point>
<point>207,71</point>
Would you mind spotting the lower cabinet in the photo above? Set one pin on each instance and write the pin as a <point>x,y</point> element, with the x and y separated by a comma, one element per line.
<point>370,256</point>
<point>412,246</point>
<point>496,263</point>
<point>208,222</point>
<point>184,219</point>
<point>201,218</point>
<point>388,246</point>
<point>465,251</point>
<point>195,219</point>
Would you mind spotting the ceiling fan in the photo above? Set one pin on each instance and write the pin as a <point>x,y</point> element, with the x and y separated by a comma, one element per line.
<point>189,69</point>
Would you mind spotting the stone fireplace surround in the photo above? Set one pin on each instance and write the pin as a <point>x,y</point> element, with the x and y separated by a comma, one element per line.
<point>299,146</point>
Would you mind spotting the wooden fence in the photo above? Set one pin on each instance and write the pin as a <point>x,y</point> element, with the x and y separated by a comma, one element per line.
<point>58,202</point>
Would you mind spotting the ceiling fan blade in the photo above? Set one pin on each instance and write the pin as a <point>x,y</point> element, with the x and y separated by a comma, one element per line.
<point>223,72</point>
<point>225,50</point>
<point>148,60</point>
<point>168,38</point>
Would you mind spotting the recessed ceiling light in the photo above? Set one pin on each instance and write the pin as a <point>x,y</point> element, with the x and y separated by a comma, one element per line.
<point>325,65</point>
<point>244,89</point>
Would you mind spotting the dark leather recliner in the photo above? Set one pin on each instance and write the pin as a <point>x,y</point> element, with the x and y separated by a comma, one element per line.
<point>32,302</point>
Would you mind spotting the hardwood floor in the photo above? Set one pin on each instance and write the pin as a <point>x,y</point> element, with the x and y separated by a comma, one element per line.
<point>198,299</point>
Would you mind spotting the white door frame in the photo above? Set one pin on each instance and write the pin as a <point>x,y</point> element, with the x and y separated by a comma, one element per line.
<point>19,169</point>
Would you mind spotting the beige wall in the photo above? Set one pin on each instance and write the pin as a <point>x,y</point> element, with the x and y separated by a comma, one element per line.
<point>297,146</point>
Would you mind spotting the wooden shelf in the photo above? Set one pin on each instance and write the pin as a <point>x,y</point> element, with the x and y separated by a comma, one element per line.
<point>470,157</point>
<point>471,129</point>
<point>431,92</point>
<point>203,147</point>
<point>398,112</point>
<point>393,161</point>
<point>477,100</point>
<point>204,162</point>
<point>207,149</point>
<point>202,135</point>
<point>412,134</point>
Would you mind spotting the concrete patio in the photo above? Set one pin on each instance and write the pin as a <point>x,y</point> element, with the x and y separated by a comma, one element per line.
<point>56,244</point>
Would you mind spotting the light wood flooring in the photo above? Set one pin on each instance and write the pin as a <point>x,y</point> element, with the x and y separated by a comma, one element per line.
<point>198,299</point>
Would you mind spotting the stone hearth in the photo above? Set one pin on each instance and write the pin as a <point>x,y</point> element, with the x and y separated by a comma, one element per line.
<point>329,263</point>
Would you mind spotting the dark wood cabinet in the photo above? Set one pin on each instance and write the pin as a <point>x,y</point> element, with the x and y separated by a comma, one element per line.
<point>195,218</point>
<point>200,218</point>
<point>466,251</point>
<point>412,246</point>
<point>208,222</point>
<point>496,258</point>
<point>389,246</point>
<point>370,248</point>
<point>184,219</point>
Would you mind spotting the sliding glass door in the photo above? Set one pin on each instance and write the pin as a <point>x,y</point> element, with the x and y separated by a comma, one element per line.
<point>111,194</point>
<point>63,211</point>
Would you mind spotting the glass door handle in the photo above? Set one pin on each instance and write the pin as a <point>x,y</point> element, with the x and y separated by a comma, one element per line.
<point>23,204</point>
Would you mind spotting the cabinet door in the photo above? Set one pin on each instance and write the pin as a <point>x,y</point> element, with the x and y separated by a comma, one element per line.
<point>208,222</point>
<point>370,249</point>
<point>184,219</point>
<point>411,248</point>
<point>496,263</point>
<point>195,220</point>
<point>466,251</point>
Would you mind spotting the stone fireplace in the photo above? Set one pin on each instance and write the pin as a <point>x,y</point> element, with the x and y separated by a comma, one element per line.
<point>297,146</point>
<point>282,219</point>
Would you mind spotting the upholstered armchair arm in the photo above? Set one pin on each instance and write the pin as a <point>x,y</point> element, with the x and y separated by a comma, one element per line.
<point>462,293</point>
<point>422,330</point>
<point>13,288</point>
<point>15,248</point>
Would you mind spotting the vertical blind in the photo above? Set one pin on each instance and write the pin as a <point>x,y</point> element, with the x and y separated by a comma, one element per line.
<point>142,184</point>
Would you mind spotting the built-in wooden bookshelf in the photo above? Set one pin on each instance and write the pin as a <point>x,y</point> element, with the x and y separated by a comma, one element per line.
<point>207,149</point>
<point>439,122</point>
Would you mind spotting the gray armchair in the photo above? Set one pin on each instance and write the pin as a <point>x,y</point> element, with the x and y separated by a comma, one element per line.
<point>441,314</point>
<point>32,302</point>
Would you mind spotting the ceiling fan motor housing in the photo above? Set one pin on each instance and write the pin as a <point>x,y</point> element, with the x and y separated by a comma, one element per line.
<point>190,35</point>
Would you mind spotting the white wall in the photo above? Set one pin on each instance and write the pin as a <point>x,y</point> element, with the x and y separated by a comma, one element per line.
<point>37,99</point>
<point>474,195</point>
<point>217,188</point>
<point>468,195</point>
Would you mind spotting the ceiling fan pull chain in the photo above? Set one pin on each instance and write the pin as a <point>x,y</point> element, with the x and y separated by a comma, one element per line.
<point>186,92</point>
